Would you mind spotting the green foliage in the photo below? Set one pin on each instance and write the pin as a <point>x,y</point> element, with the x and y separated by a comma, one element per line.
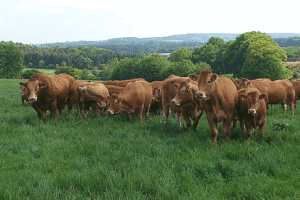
<point>11,60</point>
<point>181,54</point>
<point>78,73</point>
<point>126,68</point>
<point>293,53</point>
<point>182,68</point>
<point>83,63</point>
<point>28,73</point>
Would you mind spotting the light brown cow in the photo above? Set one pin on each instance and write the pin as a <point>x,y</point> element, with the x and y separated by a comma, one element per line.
<point>252,110</point>
<point>220,98</point>
<point>51,93</point>
<point>136,96</point>
<point>185,98</point>
<point>24,93</point>
<point>296,85</point>
<point>121,83</point>
<point>94,95</point>
<point>156,104</point>
<point>278,92</point>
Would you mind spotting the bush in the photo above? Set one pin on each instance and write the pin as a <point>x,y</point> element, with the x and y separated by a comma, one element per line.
<point>26,74</point>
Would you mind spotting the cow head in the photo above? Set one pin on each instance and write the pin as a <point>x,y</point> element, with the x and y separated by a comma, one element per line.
<point>184,93</point>
<point>156,95</point>
<point>24,90</point>
<point>206,84</point>
<point>242,83</point>
<point>253,99</point>
<point>35,87</point>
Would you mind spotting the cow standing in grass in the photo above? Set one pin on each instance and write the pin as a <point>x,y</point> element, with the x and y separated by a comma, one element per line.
<point>51,93</point>
<point>136,97</point>
<point>252,110</point>
<point>219,98</point>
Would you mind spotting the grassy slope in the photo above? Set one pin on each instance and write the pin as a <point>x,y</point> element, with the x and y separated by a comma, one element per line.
<point>109,158</point>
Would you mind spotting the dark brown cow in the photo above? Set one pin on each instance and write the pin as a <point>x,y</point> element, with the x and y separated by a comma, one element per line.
<point>136,96</point>
<point>51,93</point>
<point>252,110</point>
<point>220,98</point>
<point>185,97</point>
<point>121,83</point>
<point>296,85</point>
<point>278,92</point>
<point>94,95</point>
<point>24,93</point>
<point>156,104</point>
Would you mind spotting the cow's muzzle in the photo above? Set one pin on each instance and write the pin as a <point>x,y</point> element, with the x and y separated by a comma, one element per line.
<point>174,102</point>
<point>251,111</point>
<point>32,99</point>
<point>200,95</point>
<point>110,112</point>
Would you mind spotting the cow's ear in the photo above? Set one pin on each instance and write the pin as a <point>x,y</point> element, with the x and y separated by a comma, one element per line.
<point>242,97</point>
<point>262,96</point>
<point>22,84</point>
<point>43,85</point>
<point>247,84</point>
<point>175,85</point>
<point>194,77</point>
<point>109,97</point>
<point>214,77</point>
<point>244,79</point>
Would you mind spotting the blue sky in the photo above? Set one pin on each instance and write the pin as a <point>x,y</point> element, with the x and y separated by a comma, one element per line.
<point>49,21</point>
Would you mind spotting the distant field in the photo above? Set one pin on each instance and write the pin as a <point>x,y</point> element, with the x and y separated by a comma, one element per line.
<point>109,158</point>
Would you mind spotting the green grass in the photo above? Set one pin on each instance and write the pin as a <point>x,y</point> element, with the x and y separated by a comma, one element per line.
<point>109,158</point>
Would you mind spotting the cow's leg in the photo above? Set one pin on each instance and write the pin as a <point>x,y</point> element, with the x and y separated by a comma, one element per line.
<point>213,128</point>
<point>291,105</point>
<point>226,127</point>
<point>147,109</point>
<point>166,113</point>
<point>261,127</point>
<point>295,103</point>
<point>283,107</point>
<point>249,129</point>
<point>197,118</point>
<point>186,118</point>
<point>272,106</point>
<point>140,112</point>
<point>178,118</point>
<point>53,108</point>
<point>128,116</point>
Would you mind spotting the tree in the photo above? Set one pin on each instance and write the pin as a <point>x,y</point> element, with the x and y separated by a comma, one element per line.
<point>11,60</point>
<point>183,69</point>
<point>83,63</point>
<point>181,54</point>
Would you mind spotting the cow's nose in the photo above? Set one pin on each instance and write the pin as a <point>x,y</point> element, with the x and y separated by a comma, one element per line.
<point>200,95</point>
<point>251,111</point>
<point>173,102</point>
<point>110,112</point>
<point>32,99</point>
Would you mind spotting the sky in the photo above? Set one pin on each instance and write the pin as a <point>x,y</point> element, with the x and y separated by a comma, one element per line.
<point>50,21</point>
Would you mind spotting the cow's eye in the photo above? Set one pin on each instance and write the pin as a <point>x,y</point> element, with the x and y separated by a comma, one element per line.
<point>208,82</point>
<point>257,100</point>
<point>182,91</point>
<point>156,93</point>
<point>115,102</point>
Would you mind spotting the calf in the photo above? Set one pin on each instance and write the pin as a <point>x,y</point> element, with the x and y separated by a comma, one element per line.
<point>94,95</point>
<point>252,110</point>
<point>219,100</point>
<point>136,96</point>
<point>185,98</point>
<point>156,104</point>
<point>51,93</point>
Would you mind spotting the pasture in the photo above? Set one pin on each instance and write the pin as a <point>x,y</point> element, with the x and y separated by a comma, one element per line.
<point>109,158</point>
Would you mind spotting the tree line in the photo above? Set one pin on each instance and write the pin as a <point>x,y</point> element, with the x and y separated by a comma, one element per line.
<point>251,55</point>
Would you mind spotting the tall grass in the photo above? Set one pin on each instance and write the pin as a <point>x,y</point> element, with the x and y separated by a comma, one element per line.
<point>109,158</point>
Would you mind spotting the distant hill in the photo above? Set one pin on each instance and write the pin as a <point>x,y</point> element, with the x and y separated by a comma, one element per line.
<point>167,43</point>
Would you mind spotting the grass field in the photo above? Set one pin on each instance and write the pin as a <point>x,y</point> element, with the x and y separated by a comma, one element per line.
<point>109,158</point>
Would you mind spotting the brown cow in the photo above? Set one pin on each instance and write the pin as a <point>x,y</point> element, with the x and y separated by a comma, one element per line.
<point>51,93</point>
<point>121,83</point>
<point>185,98</point>
<point>252,110</point>
<point>94,95</point>
<point>136,96</point>
<point>220,98</point>
<point>278,92</point>
<point>156,104</point>
<point>296,85</point>
<point>79,104</point>
<point>24,93</point>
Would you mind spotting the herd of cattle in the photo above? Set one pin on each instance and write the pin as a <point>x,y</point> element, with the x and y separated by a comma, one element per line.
<point>222,99</point>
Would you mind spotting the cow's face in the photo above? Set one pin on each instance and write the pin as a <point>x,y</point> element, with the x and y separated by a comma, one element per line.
<point>183,93</point>
<point>156,94</point>
<point>117,105</point>
<point>252,99</point>
<point>242,83</point>
<point>206,85</point>
<point>24,90</point>
<point>34,89</point>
